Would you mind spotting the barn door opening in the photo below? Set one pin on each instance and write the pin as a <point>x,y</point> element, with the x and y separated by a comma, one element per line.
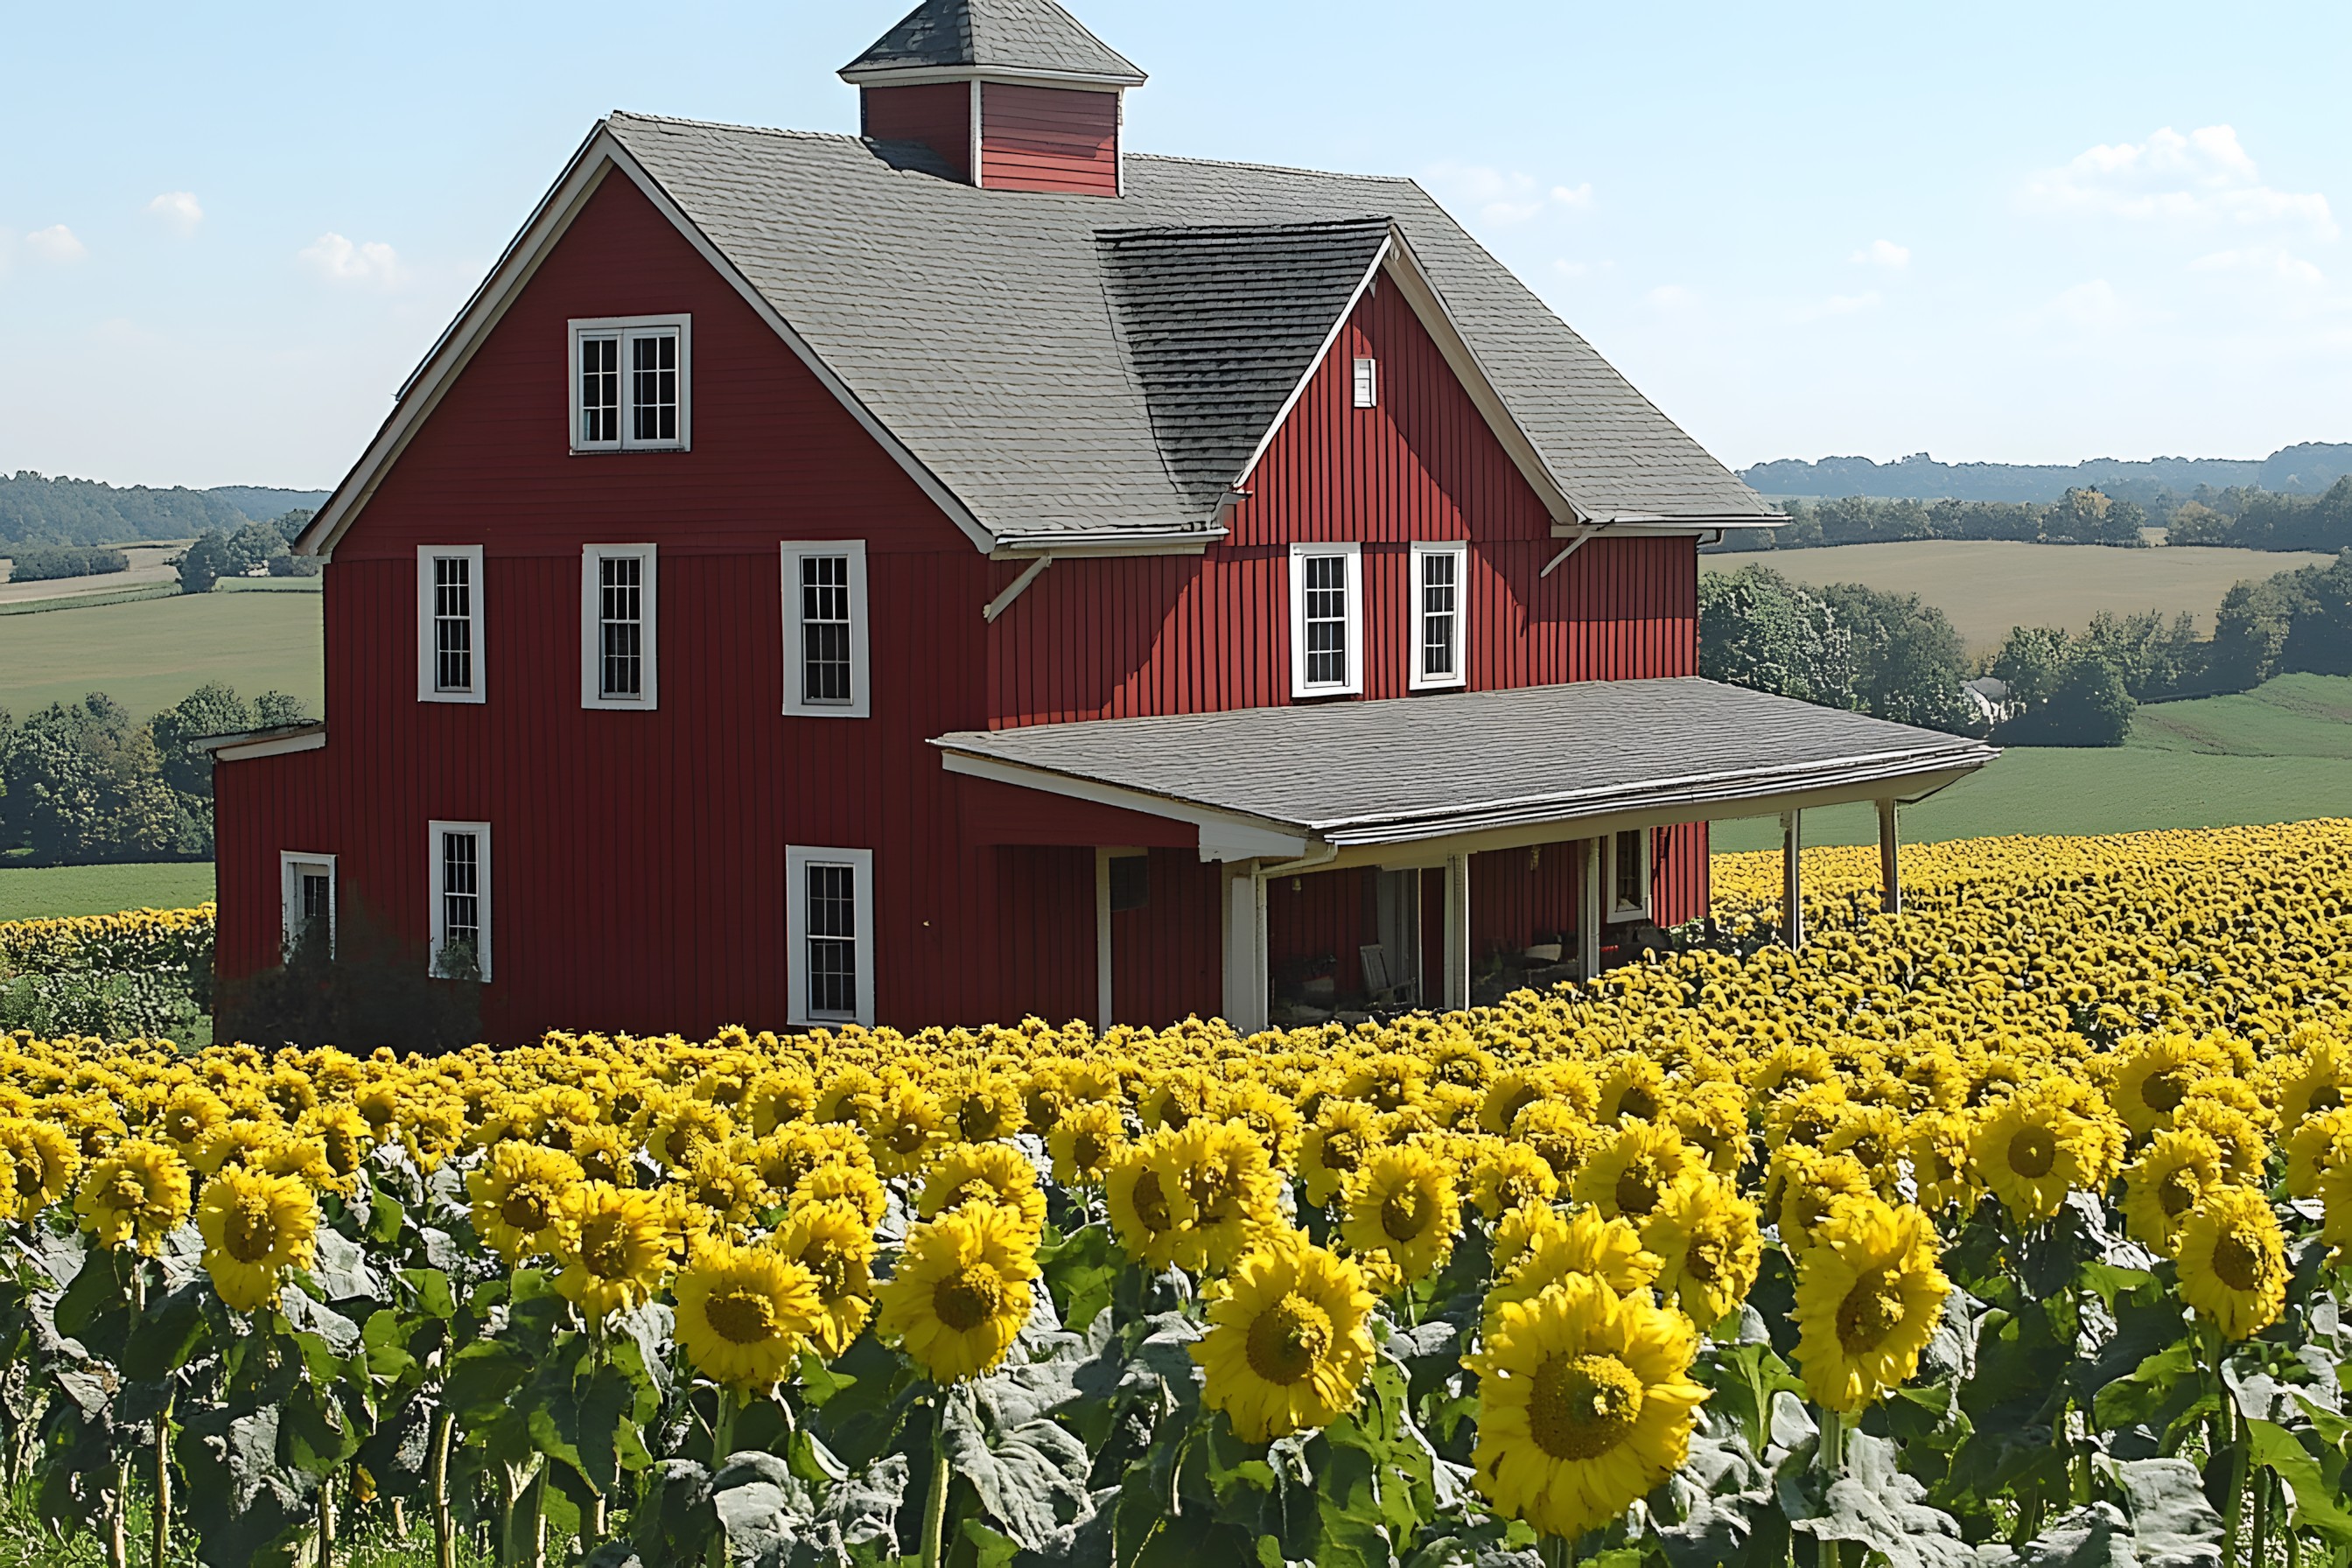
<point>1397,900</point>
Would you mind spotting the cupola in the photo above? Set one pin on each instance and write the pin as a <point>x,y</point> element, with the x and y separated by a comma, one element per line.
<point>1012,95</point>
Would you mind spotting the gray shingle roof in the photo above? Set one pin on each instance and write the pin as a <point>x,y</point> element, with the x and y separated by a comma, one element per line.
<point>978,326</point>
<point>1424,767</point>
<point>999,35</point>
<point>1221,324</point>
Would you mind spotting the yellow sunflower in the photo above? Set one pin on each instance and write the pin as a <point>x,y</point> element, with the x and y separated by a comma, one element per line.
<point>1633,1167</point>
<point>1809,1184</point>
<point>995,1173</point>
<point>2318,1142</point>
<point>1086,1136</point>
<point>1230,1192</point>
<point>518,1198</point>
<point>1705,1235</point>
<point>615,1244</point>
<point>2233,1260</point>
<point>136,1193</point>
<point>255,1227</point>
<point>1943,1164</point>
<point>1585,1404</point>
<point>2176,1170</point>
<point>1334,1144</point>
<point>1869,1294</point>
<point>721,1180</point>
<point>909,1127</point>
<point>1607,1249</point>
<point>46,1161</point>
<point>2031,1150</point>
<point>2156,1073</point>
<point>1403,1202</point>
<point>744,1313</point>
<point>1507,1176</point>
<point>1288,1339</point>
<point>1144,1191</point>
<point>961,1291</point>
<point>836,1245</point>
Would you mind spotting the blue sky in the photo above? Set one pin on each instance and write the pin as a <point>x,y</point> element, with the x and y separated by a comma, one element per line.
<point>2011,232</point>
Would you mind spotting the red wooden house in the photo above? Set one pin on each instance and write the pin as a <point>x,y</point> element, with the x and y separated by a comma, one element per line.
<point>971,569</point>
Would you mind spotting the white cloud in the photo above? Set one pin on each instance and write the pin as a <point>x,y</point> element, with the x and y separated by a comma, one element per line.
<point>2204,177</point>
<point>1506,197</point>
<point>56,243</point>
<point>1671,297</point>
<point>2266,262</point>
<point>179,209</point>
<point>2092,304</point>
<point>1836,305</point>
<point>333,258</point>
<point>1883,253</point>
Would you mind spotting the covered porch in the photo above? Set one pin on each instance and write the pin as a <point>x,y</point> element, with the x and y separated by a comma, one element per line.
<point>1394,849</point>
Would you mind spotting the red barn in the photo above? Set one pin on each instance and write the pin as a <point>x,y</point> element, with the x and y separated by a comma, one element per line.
<point>971,569</point>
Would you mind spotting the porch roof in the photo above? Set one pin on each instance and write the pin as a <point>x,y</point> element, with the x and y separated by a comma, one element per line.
<point>1405,770</point>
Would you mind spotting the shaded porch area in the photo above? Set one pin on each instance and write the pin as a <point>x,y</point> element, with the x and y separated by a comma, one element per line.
<point>1348,857</point>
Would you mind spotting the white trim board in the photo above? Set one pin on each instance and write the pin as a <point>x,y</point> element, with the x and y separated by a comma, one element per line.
<point>592,627</point>
<point>797,704</point>
<point>290,893</point>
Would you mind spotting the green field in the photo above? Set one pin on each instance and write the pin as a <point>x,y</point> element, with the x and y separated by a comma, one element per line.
<point>34,893</point>
<point>1987,586</point>
<point>2281,753</point>
<point>149,653</point>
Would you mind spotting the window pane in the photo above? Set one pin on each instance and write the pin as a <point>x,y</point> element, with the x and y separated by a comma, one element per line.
<point>621,583</point>
<point>824,628</point>
<point>1438,618</point>
<point>1327,620</point>
<point>1630,890</point>
<point>461,900</point>
<point>314,895</point>
<point>832,940</point>
<point>653,387</point>
<point>600,390</point>
<point>453,623</point>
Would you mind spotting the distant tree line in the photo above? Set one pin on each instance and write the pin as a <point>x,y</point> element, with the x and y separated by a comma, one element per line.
<point>2305,469</point>
<point>253,549</point>
<point>37,509</point>
<point>1845,645</point>
<point>84,781</point>
<point>2083,517</point>
<point>48,562</point>
<point>2258,520</point>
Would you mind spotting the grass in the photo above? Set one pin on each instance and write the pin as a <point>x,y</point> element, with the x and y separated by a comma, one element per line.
<point>1987,586</point>
<point>35,892</point>
<point>149,654</point>
<point>2293,716</point>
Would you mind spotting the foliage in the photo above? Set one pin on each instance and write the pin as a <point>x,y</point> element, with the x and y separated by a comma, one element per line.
<point>2267,521</point>
<point>142,973</point>
<point>2089,706</point>
<point>2306,467</point>
<point>1845,645</point>
<point>2081,516</point>
<point>47,563</point>
<point>35,509</point>
<point>252,548</point>
<point>439,1336</point>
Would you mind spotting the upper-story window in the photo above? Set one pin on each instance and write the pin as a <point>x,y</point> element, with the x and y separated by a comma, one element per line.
<point>630,384</point>
<point>1368,382</point>
<point>1327,620</point>
<point>1441,616</point>
<point>619,641</point>
<point>824,628</point>
<point>450,623</point>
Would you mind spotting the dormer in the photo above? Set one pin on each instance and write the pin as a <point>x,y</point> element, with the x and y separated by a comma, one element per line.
<point>1012,95</point>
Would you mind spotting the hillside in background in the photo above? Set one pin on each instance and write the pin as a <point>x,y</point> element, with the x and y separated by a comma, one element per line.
<point>2306,468</point>
<point>36,509</point>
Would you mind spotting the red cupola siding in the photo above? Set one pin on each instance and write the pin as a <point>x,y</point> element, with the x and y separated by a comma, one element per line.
<point>804,589</point>
<point>1011,95</point>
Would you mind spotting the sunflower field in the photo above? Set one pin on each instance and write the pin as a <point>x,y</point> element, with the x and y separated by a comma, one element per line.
<point>2007,1232</point>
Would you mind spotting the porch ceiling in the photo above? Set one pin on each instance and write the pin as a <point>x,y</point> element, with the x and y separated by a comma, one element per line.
<point>1409,769</point>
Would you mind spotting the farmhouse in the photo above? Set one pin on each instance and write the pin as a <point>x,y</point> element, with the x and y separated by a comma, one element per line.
<point>972,569</point>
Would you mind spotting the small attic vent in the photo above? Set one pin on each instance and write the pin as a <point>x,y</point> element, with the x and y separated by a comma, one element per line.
<point>1368,382</point>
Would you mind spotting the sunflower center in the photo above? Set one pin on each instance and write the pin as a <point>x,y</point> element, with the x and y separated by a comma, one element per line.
<point>250,1230</point>
<point>715,1194</point>
<point>604,1248</point>
<point>1637,1102</point>
<point>2166,1089</point>
<point>1405,1213</point>
<point>1288,1340</point>
<point>1151,1201</point>
<point>1343,1151</point>
<point>2178,1191</point>
<point>1088,1149</point>
<point>742,1315</point>
<point>2325,1098</point>
<point>1518,1100</point>
<point>968,1298</point>
<point>1703,1259</point>
<point>526,1209</point>
<point>831,1268</point>
<point>1871,1310</point>
<point>1637,1189</point>
<point>2033,1152</point>
<point>2237,1262</point>
<point>1582,1406</point>
<point>907,1137</point>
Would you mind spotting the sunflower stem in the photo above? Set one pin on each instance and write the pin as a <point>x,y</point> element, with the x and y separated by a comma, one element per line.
<point>935,1506</point>
<point>1832,1460</point>
<point>161,1536</point>
<point>2260,1555</point>
<point>445,1529</point>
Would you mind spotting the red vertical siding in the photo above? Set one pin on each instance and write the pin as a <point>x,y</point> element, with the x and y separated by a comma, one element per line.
<point>1049,139</point>
<point>936,114</point>
<point>1168,958</point>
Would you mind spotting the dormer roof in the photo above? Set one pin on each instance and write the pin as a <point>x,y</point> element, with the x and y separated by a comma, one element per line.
<point>1021,39</point>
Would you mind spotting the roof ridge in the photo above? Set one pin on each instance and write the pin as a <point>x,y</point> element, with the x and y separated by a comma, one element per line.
<point>785,131</point>
<point>1303,226</point>
<point>1273,168</point>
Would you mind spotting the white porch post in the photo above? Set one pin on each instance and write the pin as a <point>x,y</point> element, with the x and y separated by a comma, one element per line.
<point>1793,886</point>
<point>1457,932</point>
<point>1890,875</point>
<point>1102,939</point>
<point>1587,913</point>
<point>1245,999</point>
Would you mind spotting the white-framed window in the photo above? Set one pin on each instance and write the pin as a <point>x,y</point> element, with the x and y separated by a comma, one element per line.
<point>829,925</point>
<point>824,628</point>
<point>305,885</point>
<point>1440,626</point>
<point>1368,382</point>
<point>619,645</point>
<point>630,384</point>
<point>450,623</point>
<point>1327,620</point>
<point>1625,873</point>
<point>459,878</point>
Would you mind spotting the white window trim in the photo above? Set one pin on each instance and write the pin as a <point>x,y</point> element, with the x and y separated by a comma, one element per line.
<point>608,326</point>
<point>1364,381</point>
<point>592,621</point>
<point>1414,679</point>
<point>426,670</point>
<point>1621,913</point>
<point>289,895</point>
<point>1354,684</point>
<point>858,705</point>
<point>433,832</point>
<point>798,858</point>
